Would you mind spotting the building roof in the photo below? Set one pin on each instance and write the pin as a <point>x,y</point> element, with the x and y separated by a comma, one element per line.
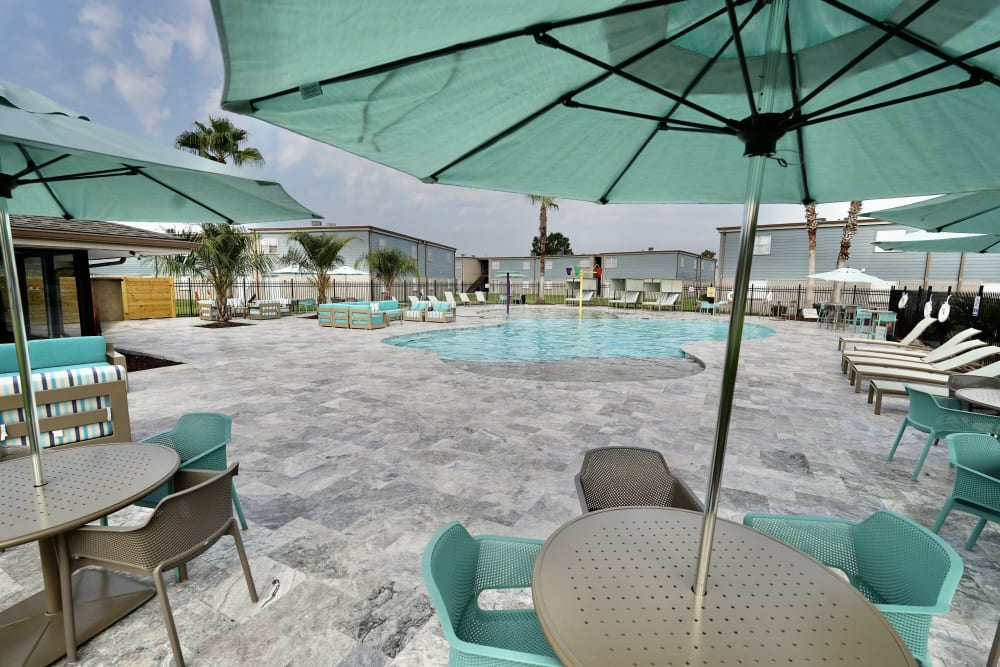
<point>100,238</point>
<point>330,227</point>
<point>802,225</point>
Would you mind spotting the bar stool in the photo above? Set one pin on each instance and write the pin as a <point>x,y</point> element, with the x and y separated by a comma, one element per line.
<point>862,323</point>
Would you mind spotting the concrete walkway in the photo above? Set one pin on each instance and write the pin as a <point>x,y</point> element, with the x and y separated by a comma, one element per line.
<point>353,453</point>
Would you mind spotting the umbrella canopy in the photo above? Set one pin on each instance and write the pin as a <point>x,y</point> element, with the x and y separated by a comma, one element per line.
<point>849,275</point>
<point>946,243</point>
<point>638,102</point>
<point>971,212</point>
<point>346,271</point>
<point>56,162</point>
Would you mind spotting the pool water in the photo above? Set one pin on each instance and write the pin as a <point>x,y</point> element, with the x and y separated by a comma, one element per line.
<point>559,339</point>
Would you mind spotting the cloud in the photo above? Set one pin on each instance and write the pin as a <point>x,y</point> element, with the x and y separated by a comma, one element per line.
<point>155,39</point>
<point>95,76</point>
<point>99,22</point>
<point>144,94</point>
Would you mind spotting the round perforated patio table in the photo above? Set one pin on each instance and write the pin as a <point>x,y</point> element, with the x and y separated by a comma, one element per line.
<point>82,484</point>
<point>614,588</point>
<point>984,397</point>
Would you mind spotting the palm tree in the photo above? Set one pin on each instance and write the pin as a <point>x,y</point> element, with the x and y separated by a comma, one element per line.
<point>850,229</point>
<point>544,204</point>
<point>388,265</point>
<point>317,253</point>
<point>225,253</point>
<point>219,140</point>
<point>812,224</point>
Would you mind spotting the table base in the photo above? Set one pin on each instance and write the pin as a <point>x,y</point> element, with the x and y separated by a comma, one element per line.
<point>29,636</point>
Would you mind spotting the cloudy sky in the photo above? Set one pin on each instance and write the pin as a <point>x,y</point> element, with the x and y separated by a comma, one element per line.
<point>153,68</point>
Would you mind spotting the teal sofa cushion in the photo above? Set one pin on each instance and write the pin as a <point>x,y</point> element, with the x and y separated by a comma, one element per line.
<point>57,353</point>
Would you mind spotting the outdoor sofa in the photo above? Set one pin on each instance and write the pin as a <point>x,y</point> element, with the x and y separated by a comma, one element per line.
<point>80,389</point>
<point>359,314</point>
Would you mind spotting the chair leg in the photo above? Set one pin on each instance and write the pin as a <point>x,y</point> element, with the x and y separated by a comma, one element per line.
<point>239,509</point>
<point>943,514</point>
<point>899,436</point>
<point>168,617</point>
<point>923,455</point>
<point>971,542</point>
<point>247,575</point>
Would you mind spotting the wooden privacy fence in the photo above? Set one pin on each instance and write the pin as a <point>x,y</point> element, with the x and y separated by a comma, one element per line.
<point>133,297</point>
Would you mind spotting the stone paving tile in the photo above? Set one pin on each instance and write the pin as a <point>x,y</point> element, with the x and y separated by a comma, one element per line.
<point>353,453</point>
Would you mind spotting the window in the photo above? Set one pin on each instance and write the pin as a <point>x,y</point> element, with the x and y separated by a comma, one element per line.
<point>610,262</point>
<point>381,243</point>
<point>413,252</point>
<point>889,235</point>
<point>762,244</point>
<point>496,265</point>
<point>548,265</point>
<point>682,261</point>
<point>525,266</point>
<point>430,254</point>
<point>269,246</point>
<point>585,263</point>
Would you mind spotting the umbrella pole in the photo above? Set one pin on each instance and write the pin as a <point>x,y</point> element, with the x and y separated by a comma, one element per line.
<point>20,342</point>
<point>755,187</point>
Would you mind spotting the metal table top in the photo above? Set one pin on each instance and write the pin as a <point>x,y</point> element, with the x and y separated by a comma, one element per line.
<point>984,397</point>
<point>82,484</point>
<point>614,588</point>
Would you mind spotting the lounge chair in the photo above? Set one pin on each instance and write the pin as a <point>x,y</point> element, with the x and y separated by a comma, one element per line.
<point>878,388</point>
<point>481,299</point>
<point>629,299</point>
<point>907,341</point>
<point>665,300</point>
<point>958,339</point>
<point>849,359</point>
<point>712,308</point>
<point>587,296</point>
<point>891,384</point>
<point>450,298</point>
<point>464,299</point>
<point>867,371</point>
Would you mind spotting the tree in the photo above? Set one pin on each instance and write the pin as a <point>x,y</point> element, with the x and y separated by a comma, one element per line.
<point>850,229</point>
<point>317,253</point>
<point>225,253</point>
<point>544,204</point>
<point>220,141</point>
<point>812,224</point>
<point>555,244</point>
<point>708,254</point>
<point>388,265</point>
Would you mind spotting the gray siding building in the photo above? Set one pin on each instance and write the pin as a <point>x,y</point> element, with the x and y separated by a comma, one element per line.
<point>781,255</point>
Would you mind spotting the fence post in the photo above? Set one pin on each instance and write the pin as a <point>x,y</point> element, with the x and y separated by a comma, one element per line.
<point>190,299</point>
<point>976,304</point>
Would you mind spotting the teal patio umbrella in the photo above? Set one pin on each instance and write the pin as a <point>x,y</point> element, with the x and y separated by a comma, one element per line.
<point>979,243</point>
<point>55,162</point>
<point>965,212</point>
<point>638,102</point>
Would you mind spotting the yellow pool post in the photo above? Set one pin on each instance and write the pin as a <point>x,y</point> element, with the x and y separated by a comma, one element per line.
<point>580,272</point>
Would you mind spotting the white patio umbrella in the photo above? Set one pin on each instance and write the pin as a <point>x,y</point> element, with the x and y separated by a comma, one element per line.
<point>848,275</point>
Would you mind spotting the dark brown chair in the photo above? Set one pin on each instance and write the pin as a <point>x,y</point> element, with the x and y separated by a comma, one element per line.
<point>183,526</point>
<point>628,476</point>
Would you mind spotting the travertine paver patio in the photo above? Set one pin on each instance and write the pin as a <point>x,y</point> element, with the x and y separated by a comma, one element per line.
<point>352,453</point>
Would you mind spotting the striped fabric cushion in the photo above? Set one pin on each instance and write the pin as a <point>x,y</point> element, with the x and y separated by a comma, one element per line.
<point>74,377</point>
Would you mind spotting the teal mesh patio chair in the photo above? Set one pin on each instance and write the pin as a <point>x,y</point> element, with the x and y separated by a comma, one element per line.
<point>862,323</point>
<point>908,573</point>
<point>458,567</point>
<point>940,417</point>
<point>976,458</point>
<point>200,439</point>
<point>629,476</point>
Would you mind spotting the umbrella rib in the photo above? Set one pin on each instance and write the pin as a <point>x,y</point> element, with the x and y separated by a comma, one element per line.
<point>548,40</point>
<point>83,175</point>
<point>974,79</point>
<point>567,97</point>
<point>957,61</point>
<point>177,192</point>
<point>464,46</point>
<point>603,199</point>
<point>794,88</point>
<point>741,56</point>
<point>874,46</point>
<point>34,167</point>
<point>680,125</point>
<point>812,120</point>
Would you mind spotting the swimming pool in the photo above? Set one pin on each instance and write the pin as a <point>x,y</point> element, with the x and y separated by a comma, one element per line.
<point>559,339</point>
